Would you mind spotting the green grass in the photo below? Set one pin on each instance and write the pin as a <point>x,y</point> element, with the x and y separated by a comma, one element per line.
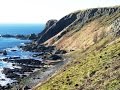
<point>96,69</point>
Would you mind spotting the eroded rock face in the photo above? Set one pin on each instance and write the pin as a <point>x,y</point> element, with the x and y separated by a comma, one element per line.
<point>115,27</point>
<point>57,27</point>
<point>47,26</point>
<point>86,16</point>
<point>68,22</point>
<point>50,23</point>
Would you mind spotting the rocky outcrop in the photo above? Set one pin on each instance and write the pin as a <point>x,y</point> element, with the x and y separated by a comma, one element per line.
<point>18,36</point>
<point>47,26</point>
<point>115,27</point>
<point>32,36</point>
<point>57,27</point>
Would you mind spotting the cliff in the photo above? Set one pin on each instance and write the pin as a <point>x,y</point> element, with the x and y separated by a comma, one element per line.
<point>56,27</point>
<point>99,16</point>
<point>47,26</point>
<point>92,38</point>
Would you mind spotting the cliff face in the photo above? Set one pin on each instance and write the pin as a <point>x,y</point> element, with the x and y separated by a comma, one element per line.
<point>72,21</point>
<point>93,39</point>
<point>47,26</point>
<point>98,18</point>
<point>56,27</point>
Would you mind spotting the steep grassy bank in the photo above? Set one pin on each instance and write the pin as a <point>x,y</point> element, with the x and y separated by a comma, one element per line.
<point>92,70</point>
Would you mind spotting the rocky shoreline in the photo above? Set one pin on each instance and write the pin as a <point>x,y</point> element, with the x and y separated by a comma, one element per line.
<point>50,56</point>
<point>32,36</point>
<point>45,62</point>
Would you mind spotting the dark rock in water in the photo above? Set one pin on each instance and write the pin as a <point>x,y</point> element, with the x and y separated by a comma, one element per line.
<point>15,57</point>
<point>16,70</point>
<point>54,57</point>
<point>13,64</point>
<point>7,70</point>
<point>2,79</point>
<point>38,48</point>
<point>26,69</point>
<point>12,75</point>
<point>8,36</point>
<point>15,36</point>
<point>4,52</point>
<point>29,47</point>
<point>5,59</point>
<point>13,50</point>
<point>26,61</point>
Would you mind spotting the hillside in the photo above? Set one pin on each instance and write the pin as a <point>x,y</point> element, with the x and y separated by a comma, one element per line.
<point>92,40</point>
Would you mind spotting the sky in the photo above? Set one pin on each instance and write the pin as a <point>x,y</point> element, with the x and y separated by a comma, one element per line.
<point>40,11</point>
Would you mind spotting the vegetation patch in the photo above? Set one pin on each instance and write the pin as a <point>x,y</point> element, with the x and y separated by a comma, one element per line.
<point>97,69</point>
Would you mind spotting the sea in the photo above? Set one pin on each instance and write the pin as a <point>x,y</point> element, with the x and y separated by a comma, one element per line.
<point>10,44</point>
<point>24,29</point>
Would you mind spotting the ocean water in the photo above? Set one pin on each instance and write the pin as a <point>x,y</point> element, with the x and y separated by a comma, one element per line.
<point>14,29</point>
<point>21,28</point>
<point>10,44</point>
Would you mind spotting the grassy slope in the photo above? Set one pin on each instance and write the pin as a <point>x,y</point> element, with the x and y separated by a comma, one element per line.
<point>99,69</point>
<point>96,67</point>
